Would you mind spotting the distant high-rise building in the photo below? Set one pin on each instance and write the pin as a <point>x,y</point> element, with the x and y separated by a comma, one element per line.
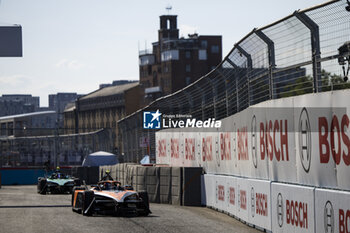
<point>58,102</point>
<point>176,62</point>
<point>18,104</point>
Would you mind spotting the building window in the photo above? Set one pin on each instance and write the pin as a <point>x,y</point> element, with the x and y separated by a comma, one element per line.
<point>202,54</point>
<point>188,54</point>
<point>188,68</point>
<point>170,55</point>
<point>215,48</point>
<point>165,69</point>
<point>155,79</point>
<point>204,44</point>
<point>188,80</point>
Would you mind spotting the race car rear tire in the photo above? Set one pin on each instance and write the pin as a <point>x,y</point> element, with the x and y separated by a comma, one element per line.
<point>42,186</point>
<point>87,199</point>
<point>144,196</point>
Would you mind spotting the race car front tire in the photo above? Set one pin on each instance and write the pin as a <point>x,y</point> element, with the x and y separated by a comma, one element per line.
<point>42,186</point>
<point>144,196</point>
<point>73,191</point>
<point>87,199</point>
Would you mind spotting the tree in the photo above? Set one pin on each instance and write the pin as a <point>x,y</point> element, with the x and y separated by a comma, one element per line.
<point>332,81</point>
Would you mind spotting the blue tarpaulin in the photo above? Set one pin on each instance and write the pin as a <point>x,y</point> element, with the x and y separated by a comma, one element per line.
<point>21,176</point>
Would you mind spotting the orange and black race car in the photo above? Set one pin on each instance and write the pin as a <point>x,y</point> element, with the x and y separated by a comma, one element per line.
<point>109,197</point>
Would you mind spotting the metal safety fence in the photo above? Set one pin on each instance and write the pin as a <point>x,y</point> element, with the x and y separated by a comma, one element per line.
<point>53,148</point>
<point>305,52</point>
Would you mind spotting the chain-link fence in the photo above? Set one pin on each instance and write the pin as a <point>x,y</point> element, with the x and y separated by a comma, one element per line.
<point>53,149</point>
<point>305,52</point>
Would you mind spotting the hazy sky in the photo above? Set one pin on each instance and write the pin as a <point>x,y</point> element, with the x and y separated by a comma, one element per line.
<point>74,45</point>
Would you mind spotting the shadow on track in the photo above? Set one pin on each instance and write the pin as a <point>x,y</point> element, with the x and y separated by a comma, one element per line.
<point>33,206</point>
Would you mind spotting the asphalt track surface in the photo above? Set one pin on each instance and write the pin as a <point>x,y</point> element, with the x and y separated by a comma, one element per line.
<point>23,210</point>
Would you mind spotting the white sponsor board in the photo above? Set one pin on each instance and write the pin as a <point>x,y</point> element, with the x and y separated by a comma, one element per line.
<point>209,188</point>
<point>259,203</point>
<point>161,148</point>
<point>303,139</point>
<point>221,193</point>
<point>231,194</point>
<point>176,148</point>
<point>332,211</point>
<point>341,153</point>
<point>312,113</point>
<point>292,208</point>
<point>242,199</point>
<point>279,140</point>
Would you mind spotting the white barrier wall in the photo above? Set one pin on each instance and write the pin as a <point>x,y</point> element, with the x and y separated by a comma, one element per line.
<point>246,199</point>
<point>279,207</point>
<point>259,203</point>
<point>303,139</point>
<point>292,208</point>
<point>299,140</point>
<point>332,211</point>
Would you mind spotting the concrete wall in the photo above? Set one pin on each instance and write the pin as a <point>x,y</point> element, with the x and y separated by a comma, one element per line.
<point>167,185</point>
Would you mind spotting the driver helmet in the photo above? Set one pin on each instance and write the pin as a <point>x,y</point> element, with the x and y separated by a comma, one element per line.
<point>107,185</point>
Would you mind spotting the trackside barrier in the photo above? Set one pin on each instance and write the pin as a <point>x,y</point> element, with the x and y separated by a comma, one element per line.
<point>192,186</point>
<point>246,199</point>
<point>89,174</point>
<point>0,179</point>
<point>165,185</point>
<point>176,187</point>
<point>332,211</point>
<point>20,176</point>
<point>170,185</point>
<point>301,140</point>
<point>278,207</point>
<point>29,176</point>
<point>293,208</point>
<point>140,178</point>
<point>152,183</point>
<point>259,203</point>
<point>113,170</point>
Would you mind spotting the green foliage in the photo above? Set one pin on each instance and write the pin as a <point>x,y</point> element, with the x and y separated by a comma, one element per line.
<point>303,85</point>
<point>333,82</point>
